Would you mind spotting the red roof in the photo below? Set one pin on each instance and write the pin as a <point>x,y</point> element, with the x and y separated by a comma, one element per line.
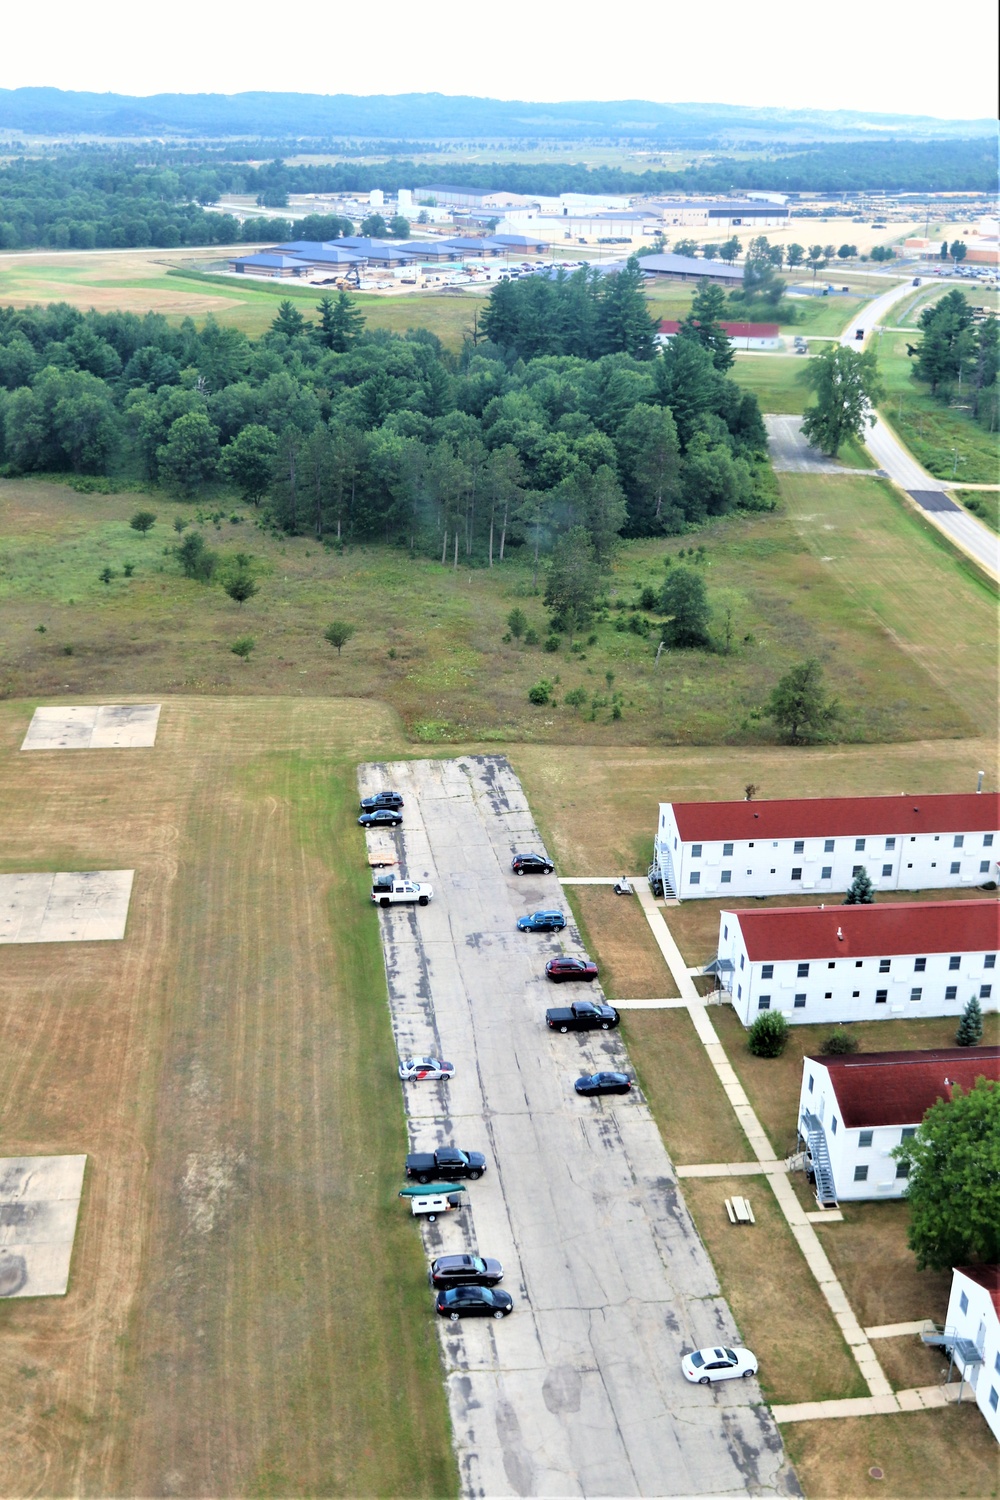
<point>802,932</point>
<point>734,330</point>
<point>826,817</point>
<point>988,1277</point>
<point>898,1088</point>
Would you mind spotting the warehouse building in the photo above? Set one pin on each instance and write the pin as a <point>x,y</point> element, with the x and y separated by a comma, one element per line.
<point>760,336</point>
<point>777,848</point>
<point>721,214</point>
<point>860,963</point>
<point>270,263</point>
<point>690,268</point>
<point>854,1111</point>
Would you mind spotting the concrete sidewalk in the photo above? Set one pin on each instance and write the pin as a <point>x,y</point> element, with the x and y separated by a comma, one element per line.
<point>923,1398</point>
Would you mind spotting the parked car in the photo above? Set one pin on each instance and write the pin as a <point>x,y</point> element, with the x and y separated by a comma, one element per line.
<point>542,921</point>
<point>561,969</point>
<point>706,1365</point>
<point>423,1069</point>
<point>382,817</point>
<point>603,1083</point>
<point>473,1302</point>
<point>381,799</point>
<point>531,864</point>
<point>465,1270</point>
<point>583,1015</point>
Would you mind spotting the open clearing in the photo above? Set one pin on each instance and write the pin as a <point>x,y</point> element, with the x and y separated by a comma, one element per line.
<point>229,1071</point>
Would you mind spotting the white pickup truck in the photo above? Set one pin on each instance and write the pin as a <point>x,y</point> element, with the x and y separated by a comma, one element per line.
<point>392,890</point>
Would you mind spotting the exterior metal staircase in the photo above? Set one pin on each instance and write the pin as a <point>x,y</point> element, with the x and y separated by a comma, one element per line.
<point>826,1193</point>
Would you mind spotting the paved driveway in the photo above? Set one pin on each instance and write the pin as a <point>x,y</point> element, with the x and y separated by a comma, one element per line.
<point>580,1391</point>
<point>792,453</point>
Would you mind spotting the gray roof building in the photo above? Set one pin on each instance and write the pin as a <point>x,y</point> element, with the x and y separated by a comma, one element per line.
<point>689,268</point>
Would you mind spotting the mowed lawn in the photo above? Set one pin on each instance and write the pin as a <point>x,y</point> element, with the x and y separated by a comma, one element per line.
<point>248,1312</point>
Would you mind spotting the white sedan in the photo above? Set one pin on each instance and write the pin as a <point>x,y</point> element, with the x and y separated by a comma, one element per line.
<point>425,1068</point>
<point>706,1365</point>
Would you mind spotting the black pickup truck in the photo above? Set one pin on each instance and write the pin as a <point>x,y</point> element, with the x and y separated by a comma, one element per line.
<point>582,1015</point>
<point>447,1162</point>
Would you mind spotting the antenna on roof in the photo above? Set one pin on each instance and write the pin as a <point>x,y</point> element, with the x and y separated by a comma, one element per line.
<point>979,783</point>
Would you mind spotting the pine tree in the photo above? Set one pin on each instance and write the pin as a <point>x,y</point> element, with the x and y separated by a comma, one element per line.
<point>860,892</point>
<point>970,1027</point>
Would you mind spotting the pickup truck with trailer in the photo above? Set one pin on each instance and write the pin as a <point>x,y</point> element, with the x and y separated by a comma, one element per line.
<point>447,1162</point>
<point>582,1015</point>
<point>392,890</point>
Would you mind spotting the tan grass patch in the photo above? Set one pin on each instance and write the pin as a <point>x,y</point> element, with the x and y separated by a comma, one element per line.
<point>924,1455</point>
<point>618,937</point>
<point>688,1101</point>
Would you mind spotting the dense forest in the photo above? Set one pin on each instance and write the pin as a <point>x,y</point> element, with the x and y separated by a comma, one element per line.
<point>113,197</point>
<point>345,434</point>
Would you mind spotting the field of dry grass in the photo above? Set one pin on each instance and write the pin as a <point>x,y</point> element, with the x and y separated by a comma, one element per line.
<point>229,1070</point>
<point>923,1455</point>
<point>618,937</point>
<point>691,1109</point>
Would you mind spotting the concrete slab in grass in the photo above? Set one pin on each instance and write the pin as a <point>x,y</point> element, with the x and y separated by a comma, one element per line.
<point>39,1205</point>
<point>114,726</point>
<point>80,907</point>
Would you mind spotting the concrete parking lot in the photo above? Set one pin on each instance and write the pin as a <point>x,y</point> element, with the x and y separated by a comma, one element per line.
<point>580,1391</point>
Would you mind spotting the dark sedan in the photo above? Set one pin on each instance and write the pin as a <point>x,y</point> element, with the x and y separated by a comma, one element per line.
<point>473,1302</point>
<point>542,921</point>
<point>603,1083</point>
<point>531,864</point>
<point>561,969</point>
<point>382,817</point>
<point>381,799</point>
<point>465,1270</point>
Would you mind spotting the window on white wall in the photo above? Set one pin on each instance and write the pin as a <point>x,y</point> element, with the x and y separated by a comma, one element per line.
<point>993,1397</point>
<point>828,846</point>
<point>764,1003</point>
<point>985,991</point>
<point>799,847</point>
<point>951,992</point>
<point>861,1174</point>
<point>890,844</point>
<point>963,1302</point>
<point>984,867</point>
<point>696,851</point>
<point>802,972</point>
<point>796,872</point>
<point>990,961</point>
<point>883,965</point>
<point>865,1138</point>
<point>767,971</point>
<point>916,993</point>
<point>833,1124</point>
<point>800,1001</point>
<point>727,850</point>
<point>881,996</point>
<point>902,1169</point>
<point>920,966</point>
<point>887,869</point>
<point>955,867</point>
<point>694,878</point>
<point>959,841</point>
<point>955,961</point>
<point>859,845</point>
<point>810,1083</point>
<point>826,873</point>
<point>987,841</point>
<point>726,877</point>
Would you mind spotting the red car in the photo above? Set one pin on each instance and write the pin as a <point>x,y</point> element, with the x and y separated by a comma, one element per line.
<point>560,969</point>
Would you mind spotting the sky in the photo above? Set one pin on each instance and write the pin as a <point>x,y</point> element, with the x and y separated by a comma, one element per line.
<point>855,55</point>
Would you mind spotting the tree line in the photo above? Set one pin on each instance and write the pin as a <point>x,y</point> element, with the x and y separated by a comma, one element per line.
<point>957,356</point>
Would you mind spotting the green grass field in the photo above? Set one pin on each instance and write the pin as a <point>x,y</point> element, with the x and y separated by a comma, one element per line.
<point>945,439</point>
<point>777,380</point>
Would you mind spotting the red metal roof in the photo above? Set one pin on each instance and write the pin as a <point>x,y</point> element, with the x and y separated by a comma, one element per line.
<point>988,1277</point>
<point>804,932</point>
<point>898,1088</point>
<point>734,330</point>
<point>828,817</point>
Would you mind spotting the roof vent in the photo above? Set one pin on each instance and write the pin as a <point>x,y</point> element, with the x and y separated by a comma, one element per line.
<point>840,933</point>
<point>756,815</point>
<point>916,809</point>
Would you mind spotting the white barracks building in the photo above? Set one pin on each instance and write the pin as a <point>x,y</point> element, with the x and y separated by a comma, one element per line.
<point>713,849</point>
<point>860,963</point>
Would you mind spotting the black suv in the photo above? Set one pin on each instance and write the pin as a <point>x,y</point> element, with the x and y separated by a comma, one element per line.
<point>381,799</point>
<point>531,864</point>
<point>465,1270</point>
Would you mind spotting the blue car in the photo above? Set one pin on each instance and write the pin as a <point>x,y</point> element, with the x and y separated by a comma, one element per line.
<point>542,921</point>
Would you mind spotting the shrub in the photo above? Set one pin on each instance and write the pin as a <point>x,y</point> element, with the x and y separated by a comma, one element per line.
<point>531,637</point>
<point>243,646</point>
<point>128,569</point>
<point>768,1034</point>
<point>638,625</point>
<point>338,634</point>
<point>649,598</point>
<point>970,1027</point>
<point>541,692</point>
<point>552,643</point>
<point>517,622</point>
<point>577,698</point>
<point>106,575</point>
<point>196,559</point>
<point>839,1044</point>
<point>143,521</point>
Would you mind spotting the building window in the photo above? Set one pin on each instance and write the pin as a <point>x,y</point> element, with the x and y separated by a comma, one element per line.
<point>996,1363</point>
<point>773,871</point>
<point>810,1089</point>
<point>963,1302</point>
<point>828,995</point>
<point>920,966</point>
<point>826,873</point>
<point>987,841</point>
<point>984,867</point>
<point>743,959</point>
<point>993,1397</point>
<point>833,1124</point>
<point>739,992</point>
<point>857,963</point>
<point>802,972</point>
<point>799,847</point>
<point>955,867</point>
<point>726,877</point>
<point>855,994</point>
<point>959,841</point>
<point>889,844</point>
<point>828,846</point>
<point>767,971</point>
<point>859,846</point>
<point>764,1003</point>
<point>955,961</point>
<point>796,872</point>
<point>990,961</point>
<point>696,851</point>
<point>800,1002</point>
<point>694,878</point>
<point>985,991</point>
<point>951,993</point>
<point>865,1138</point>
<point>887,869</point>
<point>856,869</point>
<point>727,849</point>
<point>861,1174</point>
<point>881,996</point>
<point>902,1169</point>
<point>883,965</point>
<point>916,992</point>
<point>750,845</point>
<point>908,1132</point>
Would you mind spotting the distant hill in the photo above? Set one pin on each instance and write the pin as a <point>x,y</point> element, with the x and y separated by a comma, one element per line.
<point>439,117</point>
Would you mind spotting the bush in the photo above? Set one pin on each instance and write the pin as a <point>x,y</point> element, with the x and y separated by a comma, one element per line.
<point>531,637</point>
<point>638,625</point>
<point>541,692</point>
<point>243,646</point>
<point>768,1034</point>
<point>577,698</point>
<point>970,1027</point>
<point>517,622</point>
<point>552,643</point>
<point>196,559</point>
<point>649,598</point>
<point>839,1044</point>
<point>143,521</point>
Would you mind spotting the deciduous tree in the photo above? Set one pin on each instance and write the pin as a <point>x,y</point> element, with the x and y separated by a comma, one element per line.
<point>684,600</point>
<point>847,387</point>
<point>954,1179</point>
<point>800,705</point>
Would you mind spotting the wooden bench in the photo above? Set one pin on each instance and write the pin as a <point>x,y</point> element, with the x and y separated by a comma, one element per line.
<point>739,1211</point>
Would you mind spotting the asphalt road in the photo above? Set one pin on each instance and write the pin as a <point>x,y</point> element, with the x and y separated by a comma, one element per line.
<point>792,453</point>
<point>579,1392</point>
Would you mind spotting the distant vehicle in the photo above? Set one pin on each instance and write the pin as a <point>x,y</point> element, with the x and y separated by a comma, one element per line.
<point>706,1365</point>
<point>916,281</point>
<point>859,333</point>
<point>801,349</point>
<point>542,921</point>
<point>381,799</point>
<point>531,864</point>
<point>582,1015</point>
<point>465,1270</point>
<point>446,1161</point>
<point>382,817</point>
<point>473,1302</point>
<point>603,1083</point>
<point>425,1070</point>
<point>561,969</point>
<point>390,890</point>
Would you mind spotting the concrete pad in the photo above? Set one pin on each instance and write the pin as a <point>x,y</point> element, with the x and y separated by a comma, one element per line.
<point>115,726</point>
<point>825,1216</point>
<point>724,1169</point>
<point>78,907</point>
<point>792,453</point>
<point>39,1205</point>
<point>899,1330</point>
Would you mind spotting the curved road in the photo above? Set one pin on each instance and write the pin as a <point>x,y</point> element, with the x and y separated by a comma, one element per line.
<point>896,460</point>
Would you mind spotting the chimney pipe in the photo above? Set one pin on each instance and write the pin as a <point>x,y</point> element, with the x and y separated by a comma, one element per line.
<point>979,783</point>
<point>840,933</point>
